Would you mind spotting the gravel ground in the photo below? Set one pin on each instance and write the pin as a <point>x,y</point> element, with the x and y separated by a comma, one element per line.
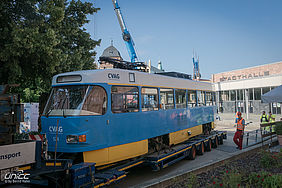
<point>245,166</point>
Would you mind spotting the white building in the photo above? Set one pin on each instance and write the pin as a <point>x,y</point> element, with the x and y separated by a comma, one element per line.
<point>241,90</point>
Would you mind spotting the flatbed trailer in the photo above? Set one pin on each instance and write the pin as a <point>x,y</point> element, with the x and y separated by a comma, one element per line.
<point>189,149</point>
<point>159,160</point>
<point>48,172</point>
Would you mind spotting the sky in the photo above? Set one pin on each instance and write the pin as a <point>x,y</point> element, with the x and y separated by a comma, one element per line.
<point>226,34</point>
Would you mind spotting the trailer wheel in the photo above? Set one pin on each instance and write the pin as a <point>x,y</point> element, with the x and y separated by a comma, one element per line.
<point>201,149</point>
<point>192,154</point>
<point>220,141</point>
<point>215,142</point>
<point>209,146</point>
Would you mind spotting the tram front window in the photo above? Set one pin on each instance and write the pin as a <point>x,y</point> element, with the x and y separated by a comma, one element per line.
<point>76,100</point>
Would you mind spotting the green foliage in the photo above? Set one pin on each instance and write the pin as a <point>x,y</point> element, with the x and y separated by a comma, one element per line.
<point>278,128</point>
<point>192,181</point>
<point>41,38</point>
<point>270,159</point>
<point>266,160</point>
<point>272,181</point>
<point>228,179</point>
<point>264,179</point>
<point>232,179</point>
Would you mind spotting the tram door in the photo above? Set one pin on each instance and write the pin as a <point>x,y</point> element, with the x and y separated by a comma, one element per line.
<point>124,104</point>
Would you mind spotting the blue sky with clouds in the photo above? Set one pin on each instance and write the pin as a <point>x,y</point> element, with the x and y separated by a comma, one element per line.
<point>227,34</point>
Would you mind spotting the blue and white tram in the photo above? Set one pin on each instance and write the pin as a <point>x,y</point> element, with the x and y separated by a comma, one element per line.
<point>111,115</point>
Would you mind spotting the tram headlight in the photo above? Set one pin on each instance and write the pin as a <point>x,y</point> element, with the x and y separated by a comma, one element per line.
<point>72,139</point>
<point>82,138</point>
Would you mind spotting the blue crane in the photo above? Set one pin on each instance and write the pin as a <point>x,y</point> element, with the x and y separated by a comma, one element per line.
<point>125,33</point>
<point>196,68</point>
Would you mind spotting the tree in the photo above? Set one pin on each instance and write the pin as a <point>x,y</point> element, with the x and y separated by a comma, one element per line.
<point>41,38</point>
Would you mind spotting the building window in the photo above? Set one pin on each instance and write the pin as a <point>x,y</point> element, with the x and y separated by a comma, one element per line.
<point>191,98</point>
<point>233,95</point>
<point>251,107</point>
<point>167,99</point>
<point>265,90</point>
<point>209,99</point>
<point>201,98</point>
<point>240,95</point>
<point>257,92</point>
<point>214,98</point>
<point>276,108</point>
<point>251,94</point>
<point>224,96</point>
<point>124,99</point>
<point>150,100</point>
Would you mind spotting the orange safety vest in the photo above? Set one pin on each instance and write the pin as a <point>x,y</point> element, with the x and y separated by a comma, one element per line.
<point>240,125</point>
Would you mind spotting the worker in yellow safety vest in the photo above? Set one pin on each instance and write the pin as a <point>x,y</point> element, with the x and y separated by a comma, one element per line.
<point>263,118</point>
<point>271,119</point>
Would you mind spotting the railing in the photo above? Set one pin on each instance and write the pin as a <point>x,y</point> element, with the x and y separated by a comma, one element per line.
<point>264,133</point>
<point>252,138</point>
<point>249,134</point>
<point>268,133</point>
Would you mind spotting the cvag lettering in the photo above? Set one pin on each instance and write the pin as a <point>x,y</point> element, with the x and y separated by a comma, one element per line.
<point>54,129</point>
<point>113,76</point>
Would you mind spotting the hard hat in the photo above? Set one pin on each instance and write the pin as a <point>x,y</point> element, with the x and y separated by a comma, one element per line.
<point>239,113</point>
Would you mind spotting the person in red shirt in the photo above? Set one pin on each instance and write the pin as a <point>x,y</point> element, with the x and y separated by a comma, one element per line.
<point>238,137</point>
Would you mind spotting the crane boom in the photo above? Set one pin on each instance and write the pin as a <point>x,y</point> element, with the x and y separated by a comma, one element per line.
<point>196,68</point>
<point>125,33</point>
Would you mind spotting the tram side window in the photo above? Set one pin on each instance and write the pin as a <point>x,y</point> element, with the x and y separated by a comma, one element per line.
<point>209,101</point>
<point>167,99</point>
<point>180,97</point>
<point>191,98</point>
<point>124,99</point>
<point>95,102</point>
<point>201,98</point>
<point>150,100</point>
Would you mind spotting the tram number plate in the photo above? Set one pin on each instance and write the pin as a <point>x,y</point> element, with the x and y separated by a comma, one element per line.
<point>54,139</point>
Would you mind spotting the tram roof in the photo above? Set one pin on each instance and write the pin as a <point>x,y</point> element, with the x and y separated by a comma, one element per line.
<point>127,77</point>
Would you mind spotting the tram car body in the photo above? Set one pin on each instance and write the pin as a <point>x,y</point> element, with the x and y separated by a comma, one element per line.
<point>111,115</point>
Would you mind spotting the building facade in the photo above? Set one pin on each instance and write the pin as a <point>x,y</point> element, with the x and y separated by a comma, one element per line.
<point>110,52</point>
<point>241,90</point>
